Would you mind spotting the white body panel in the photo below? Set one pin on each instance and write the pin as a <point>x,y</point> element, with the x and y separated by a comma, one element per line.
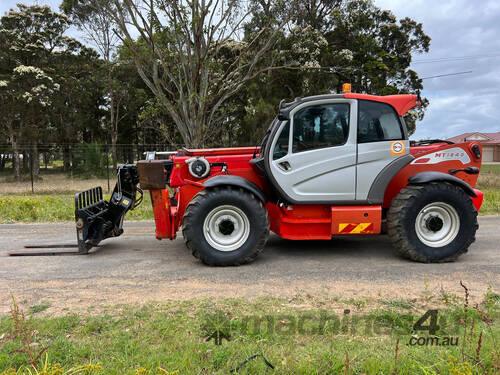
<point>372,158</point>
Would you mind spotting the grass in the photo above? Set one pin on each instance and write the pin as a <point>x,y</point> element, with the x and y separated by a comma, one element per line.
<point>213,337</point>
<point>54,208</point>
<point>38,308</point>
<point>489,184</point>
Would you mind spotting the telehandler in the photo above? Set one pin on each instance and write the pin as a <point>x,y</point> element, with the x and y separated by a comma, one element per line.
<point>329,165</point>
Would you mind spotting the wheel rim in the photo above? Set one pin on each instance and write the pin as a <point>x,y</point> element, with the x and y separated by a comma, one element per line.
<point>437,224</point>
<point>226,228</point>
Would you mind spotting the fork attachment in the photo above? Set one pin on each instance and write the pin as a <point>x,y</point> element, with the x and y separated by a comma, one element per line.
<point>97,219</point>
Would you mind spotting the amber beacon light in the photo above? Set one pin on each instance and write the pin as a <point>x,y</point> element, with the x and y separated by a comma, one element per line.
<point>346,87</point>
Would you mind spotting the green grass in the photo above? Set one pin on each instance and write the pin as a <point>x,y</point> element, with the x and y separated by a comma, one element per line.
<point>54,208</point>
<point>489,184</point>
<point>490,168</point>
<point>38,308</point>
<point>173,335</point>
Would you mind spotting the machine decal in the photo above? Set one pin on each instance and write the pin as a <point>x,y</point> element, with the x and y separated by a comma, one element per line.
<point>355,228</point>
<point>397,148</point>
<point>455,154</point>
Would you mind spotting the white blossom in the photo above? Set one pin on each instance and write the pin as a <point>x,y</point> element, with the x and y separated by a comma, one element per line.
<point>346,54</point>
<point>23,69</point>
<point>28,97</point>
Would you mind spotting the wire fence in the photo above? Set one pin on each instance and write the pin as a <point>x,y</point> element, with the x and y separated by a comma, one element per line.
<point>66,168</point>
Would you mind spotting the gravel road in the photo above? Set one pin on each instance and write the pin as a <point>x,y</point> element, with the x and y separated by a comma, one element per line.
<point>136,268</point>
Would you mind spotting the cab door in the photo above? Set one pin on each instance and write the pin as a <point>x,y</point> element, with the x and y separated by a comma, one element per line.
<point>312,158</point>
<point>381,140</point>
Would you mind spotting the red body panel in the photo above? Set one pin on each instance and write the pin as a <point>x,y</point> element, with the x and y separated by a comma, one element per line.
<point>401,103</point>
<point>356,220</point>
<point>433,163</point>
<point>478,201</point>
<point>418,150</point>
<point>218,151</point>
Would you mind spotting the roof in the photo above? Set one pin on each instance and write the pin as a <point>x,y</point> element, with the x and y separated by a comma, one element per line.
<point>484,138</point>
<point>401,103</point>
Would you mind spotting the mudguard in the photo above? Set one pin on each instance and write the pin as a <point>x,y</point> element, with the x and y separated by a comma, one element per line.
<point>225,180</point>
<point>431,176</point>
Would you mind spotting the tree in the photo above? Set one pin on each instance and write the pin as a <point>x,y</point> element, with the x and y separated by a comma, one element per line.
<point>177,53</point>
<point>31,91</point>
<point>330,42</point>
<point>98,29</point>
<point>32,44</point>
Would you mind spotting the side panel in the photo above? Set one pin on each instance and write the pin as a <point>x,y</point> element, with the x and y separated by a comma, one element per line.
<point>373,157</point>
<point>347,220</point>
<point>439,160</point>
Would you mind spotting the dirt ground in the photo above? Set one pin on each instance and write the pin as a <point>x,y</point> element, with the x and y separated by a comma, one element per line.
<point>136,268</point>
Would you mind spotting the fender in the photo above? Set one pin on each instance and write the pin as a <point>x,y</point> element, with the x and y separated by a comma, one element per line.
<point>431,176</point>
<point>225,180</point>
<point>379,185</point>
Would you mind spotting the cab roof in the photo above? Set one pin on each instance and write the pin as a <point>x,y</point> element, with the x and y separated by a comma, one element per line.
<point>401,103</point>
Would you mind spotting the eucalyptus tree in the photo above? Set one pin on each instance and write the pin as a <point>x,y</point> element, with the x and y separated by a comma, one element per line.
<point>176,44</point>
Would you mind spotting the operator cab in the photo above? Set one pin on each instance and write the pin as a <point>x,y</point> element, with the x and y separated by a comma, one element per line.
<point>336,149</point>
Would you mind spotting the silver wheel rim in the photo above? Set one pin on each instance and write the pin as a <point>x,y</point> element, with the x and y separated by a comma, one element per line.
<point>437,224</point>
<point>226,228</point>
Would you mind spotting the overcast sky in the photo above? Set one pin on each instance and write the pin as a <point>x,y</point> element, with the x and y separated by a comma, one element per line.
<point>464,37</point>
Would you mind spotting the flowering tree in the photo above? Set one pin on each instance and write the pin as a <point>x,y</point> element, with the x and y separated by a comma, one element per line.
<point>33,51</point>
<point>26,96</point>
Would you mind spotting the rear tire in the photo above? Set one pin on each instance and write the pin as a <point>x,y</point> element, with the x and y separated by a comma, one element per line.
<point>225,226</point>
<point>434,223</point>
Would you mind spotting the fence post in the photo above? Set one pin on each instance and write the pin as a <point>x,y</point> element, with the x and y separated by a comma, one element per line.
<point>107,163</point>
<point>31,169</point>
<point>70,162</point>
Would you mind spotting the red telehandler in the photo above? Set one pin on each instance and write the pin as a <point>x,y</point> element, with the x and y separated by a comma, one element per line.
<point>329,165</point>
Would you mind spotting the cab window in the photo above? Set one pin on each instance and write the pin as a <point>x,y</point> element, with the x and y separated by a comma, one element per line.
<point>281,147</point>
<point>320,126</point>
<point>378,122</point>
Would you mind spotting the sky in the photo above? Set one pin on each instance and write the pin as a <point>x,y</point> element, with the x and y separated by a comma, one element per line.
<point>464,38</point>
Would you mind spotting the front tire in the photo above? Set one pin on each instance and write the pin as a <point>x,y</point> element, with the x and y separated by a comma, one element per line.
<point>434,223</point>
<point>225,226</point>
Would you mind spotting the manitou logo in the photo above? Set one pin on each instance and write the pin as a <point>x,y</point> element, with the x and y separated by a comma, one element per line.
<point>455,154</point>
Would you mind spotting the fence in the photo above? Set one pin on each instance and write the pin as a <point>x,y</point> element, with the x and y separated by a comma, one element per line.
<point>59,168</point>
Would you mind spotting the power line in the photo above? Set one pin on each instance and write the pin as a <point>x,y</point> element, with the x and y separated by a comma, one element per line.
<point>446,75</point>
<point>456,58</point>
